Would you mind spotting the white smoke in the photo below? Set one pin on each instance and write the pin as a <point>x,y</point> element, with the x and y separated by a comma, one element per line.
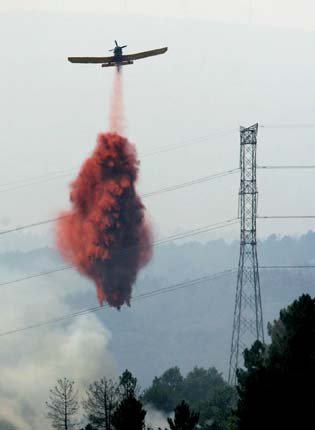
<point>32,361</point>
<point>155,419</point>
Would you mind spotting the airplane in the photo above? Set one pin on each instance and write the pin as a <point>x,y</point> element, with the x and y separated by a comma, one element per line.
<point>118,59</point>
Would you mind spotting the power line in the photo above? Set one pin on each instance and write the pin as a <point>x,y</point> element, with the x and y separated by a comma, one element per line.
<point>288,267</point>
<point>205,229</point>
<point>190,142</point>
<point>147,195</point>
<point>160,242</point>
<point>297,125</point>
<point>38,275</point>
<point>311,166</point>
<point>33,178</point>
<point>25,185</point>
<point>190,183</point>
<point>160,291</point>
<point>63,173</point>
<point>143,296</point>
<point>15,185</point>
<point>157,292</point>
<point>67,174</point>
<point>35,224</point>
<point>286,216</point>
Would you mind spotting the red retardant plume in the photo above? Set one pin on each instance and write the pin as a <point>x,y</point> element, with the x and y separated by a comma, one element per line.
<point>117,119</point>
<point>106,235</point>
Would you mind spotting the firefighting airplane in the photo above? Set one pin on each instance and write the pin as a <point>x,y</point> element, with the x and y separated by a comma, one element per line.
<point>118,59</point>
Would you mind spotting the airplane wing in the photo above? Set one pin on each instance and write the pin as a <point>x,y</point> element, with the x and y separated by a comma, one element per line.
<point>144,54</point>
<point>94,60</point>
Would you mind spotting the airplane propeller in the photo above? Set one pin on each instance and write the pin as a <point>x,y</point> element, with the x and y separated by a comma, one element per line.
<point>117,46</point>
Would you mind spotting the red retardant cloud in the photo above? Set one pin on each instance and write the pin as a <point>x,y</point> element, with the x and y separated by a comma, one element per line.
<point>106,235</point>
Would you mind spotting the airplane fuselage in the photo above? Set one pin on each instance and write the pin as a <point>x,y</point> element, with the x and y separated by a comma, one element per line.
<point>118,53</point>
<point>118,59</point>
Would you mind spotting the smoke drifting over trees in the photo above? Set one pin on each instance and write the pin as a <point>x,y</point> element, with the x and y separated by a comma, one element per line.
<point>118,404</point>
<point>203,313</point>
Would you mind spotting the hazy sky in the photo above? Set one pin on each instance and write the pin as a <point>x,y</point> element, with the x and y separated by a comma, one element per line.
<point>215,76</point>
<point>289,13</point>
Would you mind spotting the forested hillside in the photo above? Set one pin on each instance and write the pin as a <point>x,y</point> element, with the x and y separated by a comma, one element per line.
<point>187,327</point>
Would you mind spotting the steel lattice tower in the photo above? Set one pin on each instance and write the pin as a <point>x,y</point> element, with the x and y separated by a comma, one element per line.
<point>248,317</point>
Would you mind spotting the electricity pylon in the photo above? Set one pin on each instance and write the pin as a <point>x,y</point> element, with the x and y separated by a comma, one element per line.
<point>248,317</point>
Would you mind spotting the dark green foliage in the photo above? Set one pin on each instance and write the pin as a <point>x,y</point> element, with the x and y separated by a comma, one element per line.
<point>203,389</point>
<point>128,386</point>
<point>202,384</point>
<point>216,413</point>
<point>129,415</point>
<point>184,418</point>
<point>166,391</point>
<point>276,389</point>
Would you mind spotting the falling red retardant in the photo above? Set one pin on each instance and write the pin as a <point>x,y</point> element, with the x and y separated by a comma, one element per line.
<point>106,235</point>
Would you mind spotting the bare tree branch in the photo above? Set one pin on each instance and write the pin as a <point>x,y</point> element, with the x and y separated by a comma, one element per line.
<point>101,401</point>
<point>63,405</point>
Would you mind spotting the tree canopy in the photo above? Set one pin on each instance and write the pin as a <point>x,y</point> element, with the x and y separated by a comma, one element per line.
<point>184,418</point>
<point>128,385</point>
<point>276,388</point>
<point>202,389</point>
<point>129,414</point>
<point>166,391</point>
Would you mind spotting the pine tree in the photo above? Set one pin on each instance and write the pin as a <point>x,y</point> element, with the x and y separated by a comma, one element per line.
<point>129,415</point>
<point>184,418</point>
